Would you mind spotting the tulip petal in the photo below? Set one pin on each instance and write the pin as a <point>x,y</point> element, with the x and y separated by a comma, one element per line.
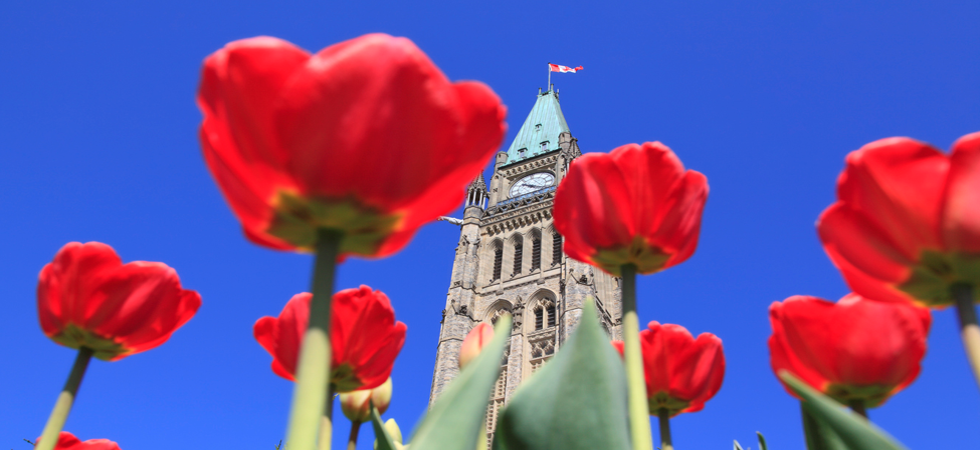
<point>961,213</point>
<point>897,185</point>
<point>68,441</point>
<point>649,171</point>
<point>66,284</point>
<point>678,230</point>
<point>849,236</point>
<point>599,210</point>
<point>378,103</point>
<point>240,86</point>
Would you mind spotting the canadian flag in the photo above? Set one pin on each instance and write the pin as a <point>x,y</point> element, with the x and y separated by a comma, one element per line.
<point>564,69</point>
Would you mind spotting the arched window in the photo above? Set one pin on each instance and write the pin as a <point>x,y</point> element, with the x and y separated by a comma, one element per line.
<point>498,258</point>
<point>551,315</point>
<point>535,252</point>
<point>538,318</point>
<point>518,255</point>
<point>555,249</point>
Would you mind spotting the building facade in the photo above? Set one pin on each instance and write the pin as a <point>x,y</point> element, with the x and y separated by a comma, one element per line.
<point>509,260</point>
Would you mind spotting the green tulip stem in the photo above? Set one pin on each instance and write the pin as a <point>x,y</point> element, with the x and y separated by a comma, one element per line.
<point>969,328</point>
<point>858,407</point>
<point>326,425</point>
<point>355,428</point>
<point>313,370</point>
<point>665,442</point>
<point>639,412</point>
<point>56,421</point>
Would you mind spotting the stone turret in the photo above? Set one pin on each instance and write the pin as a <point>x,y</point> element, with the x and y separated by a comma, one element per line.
<point>476,198</point>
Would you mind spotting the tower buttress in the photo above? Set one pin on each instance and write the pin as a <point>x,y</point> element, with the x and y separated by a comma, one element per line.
<point>458,316</point>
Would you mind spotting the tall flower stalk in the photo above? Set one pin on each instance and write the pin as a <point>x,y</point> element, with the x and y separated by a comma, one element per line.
<point>963,295</point>
<point>311,408</point>
<point>639,415</point>
<point>56,421</point>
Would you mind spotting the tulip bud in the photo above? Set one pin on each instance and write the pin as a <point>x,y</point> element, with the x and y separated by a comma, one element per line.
<point>356,406</point>
<point>618,345</point>
<point>396,435</point>
<point>474,342</point>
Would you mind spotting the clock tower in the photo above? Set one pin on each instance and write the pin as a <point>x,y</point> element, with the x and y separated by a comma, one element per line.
<point>509,260</point>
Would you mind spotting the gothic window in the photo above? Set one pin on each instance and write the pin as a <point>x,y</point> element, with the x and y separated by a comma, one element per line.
<point>521,152</point>
<point>544,145</point>
<point>555,249</point>
<point>518,255</point>
<point>538,318</point>
<point>498,257</point>
<point>537,127</point>
<point>551,315</point>
<point>535,253</point>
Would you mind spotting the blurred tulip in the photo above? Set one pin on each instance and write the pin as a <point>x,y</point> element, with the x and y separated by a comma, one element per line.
<point>68,441</point>
<point>682,373</point>
<point>367,138</point>
<point>86,297</point>
<point>857,351</point>
<point>363,333</point>
<point>906,225</point>
<point>478,337</point>
<point>636,205</point>
<point>356,405</point>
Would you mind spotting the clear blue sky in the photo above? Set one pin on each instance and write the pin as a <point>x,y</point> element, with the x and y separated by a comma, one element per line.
<point>98,142</point>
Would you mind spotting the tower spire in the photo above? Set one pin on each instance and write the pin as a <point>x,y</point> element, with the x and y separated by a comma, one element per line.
<point>476,192</point>
<point>541,129</point>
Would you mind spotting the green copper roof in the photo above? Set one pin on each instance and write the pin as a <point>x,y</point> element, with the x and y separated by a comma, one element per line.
<point>540,131</point>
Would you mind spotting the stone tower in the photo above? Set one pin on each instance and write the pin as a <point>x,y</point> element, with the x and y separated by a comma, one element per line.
<point>509,260</point>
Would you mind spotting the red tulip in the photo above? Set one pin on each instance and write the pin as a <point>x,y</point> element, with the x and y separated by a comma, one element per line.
<point>681,372</point>
<point>906,225</point>
<point>366,137</point>
<point>475,340</point>
<point>68,441</point>
<point>363,333</point>
<point>636,205</point>
<point>852,350</point>
<point>86,297</point>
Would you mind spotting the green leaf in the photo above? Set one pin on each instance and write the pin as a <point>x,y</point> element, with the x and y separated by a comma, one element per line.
<point>453,422</point>
<point>855,432</point>
<point>818,435</point>
<point>737,446</point>
<point>381,436</point>
<point>762,441</point>
<point>576,401</point>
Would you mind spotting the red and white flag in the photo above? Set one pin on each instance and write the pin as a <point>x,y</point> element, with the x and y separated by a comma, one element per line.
<point>564,69</point>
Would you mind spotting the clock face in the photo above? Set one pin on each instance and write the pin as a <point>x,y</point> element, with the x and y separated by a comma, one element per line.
<point>531,183</point>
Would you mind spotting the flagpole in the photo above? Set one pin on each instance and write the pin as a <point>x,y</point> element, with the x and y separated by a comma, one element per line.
<point>547,87</point>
